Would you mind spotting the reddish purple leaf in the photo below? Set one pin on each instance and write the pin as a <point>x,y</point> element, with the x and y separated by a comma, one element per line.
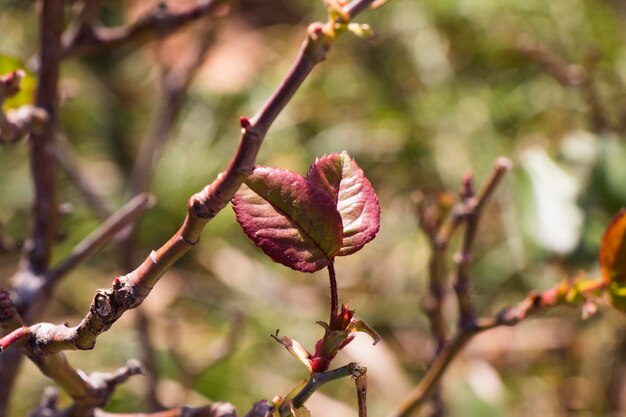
<point>291,219</point>
<point>358,205</point>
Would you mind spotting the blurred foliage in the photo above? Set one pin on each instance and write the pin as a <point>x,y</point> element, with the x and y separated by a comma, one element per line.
<point>447,87</point>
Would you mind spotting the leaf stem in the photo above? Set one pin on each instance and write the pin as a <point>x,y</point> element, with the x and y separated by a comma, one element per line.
<point>334,298</point>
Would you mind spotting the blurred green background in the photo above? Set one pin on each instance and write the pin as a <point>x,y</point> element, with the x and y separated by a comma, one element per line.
<point>445,89</point>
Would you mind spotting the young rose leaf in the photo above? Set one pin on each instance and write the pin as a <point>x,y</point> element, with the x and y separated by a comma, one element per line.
<point>613,250</point>
<point>291,219</point>
<point>613,260</point>
<point>354,196</point>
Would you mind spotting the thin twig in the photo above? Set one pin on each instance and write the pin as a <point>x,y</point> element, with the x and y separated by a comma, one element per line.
<point>211,410</point>
<point>472,211</point>
<point>565,73</point>
<point>432,221</point>
<point>157,23</point>
<point>319,379</point>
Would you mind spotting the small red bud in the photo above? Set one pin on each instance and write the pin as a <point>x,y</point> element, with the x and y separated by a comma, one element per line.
<point>244,122</point>
<point>320,364</point>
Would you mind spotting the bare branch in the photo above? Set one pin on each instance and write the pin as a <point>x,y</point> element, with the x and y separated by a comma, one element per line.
<point>39,247</point>
<point>417,397</point>
<point>473,205</point>
<point>130,290</point>
<point>212,410</point>
<point>157,23</point>
<point>565,73</point>
<point>125,216</point>
<point>469,211</point>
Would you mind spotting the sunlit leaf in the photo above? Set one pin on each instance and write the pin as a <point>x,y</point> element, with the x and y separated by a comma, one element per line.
<point>297,350</point>
<point>361,326</point>
<point>613,260</point>
<point>613,250</point>
<point>290,218</point>
<point>27,85</point>
<point>345,183</point>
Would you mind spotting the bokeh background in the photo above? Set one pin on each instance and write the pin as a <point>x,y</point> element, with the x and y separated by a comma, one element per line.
<point>446,88</point>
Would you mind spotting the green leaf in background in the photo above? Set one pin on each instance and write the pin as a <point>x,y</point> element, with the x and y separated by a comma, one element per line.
<point>27,86</point>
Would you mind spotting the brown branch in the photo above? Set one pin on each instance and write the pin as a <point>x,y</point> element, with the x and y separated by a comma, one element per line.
<point>319,379</point>
<point>127,215</point>
<point>129,291</point>
<point>565,73</point>
<point>432,221</point>
<point>315,382</point>
<point>533,305</point>
<point>260,409</point>
<point>174,90</point>
<point>473,205</point>
<point>157,23</point>
<point>38,248</point>
<point>212,410</point>
<point>468,211</point>
<point>581,76</point>
<point>48,408</point>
